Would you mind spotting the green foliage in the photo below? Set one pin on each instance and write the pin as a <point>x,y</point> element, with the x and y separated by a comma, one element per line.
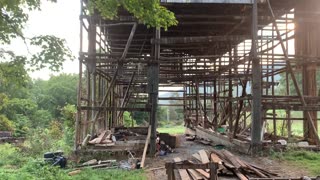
<point>41,118</point>
<point>305,159</point>
<point>149,12</point>
<point>14,16</point>
<point>10,156</point>
<point>127,120</point>
<point>6,124</point>
<point>16,164</point>
<point>172,129</point>
<point>55,93</point>
<point>110,174</point>
<point>3,101</point>
<point>53,53</point>
<point>140,117</point>
<point>40,140</point>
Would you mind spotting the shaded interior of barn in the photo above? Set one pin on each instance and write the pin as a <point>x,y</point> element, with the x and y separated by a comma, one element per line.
<point>225,78</point>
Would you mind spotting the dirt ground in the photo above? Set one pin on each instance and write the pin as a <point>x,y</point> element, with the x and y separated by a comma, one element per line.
<point>156,171</point>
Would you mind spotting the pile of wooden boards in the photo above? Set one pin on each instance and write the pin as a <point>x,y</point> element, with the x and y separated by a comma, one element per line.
<point>95,164</point>
<point>229,165</point>
<point>104,139</point>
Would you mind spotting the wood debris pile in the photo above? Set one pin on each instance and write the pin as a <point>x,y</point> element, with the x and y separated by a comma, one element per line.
<point>103,139</point>
<point>229,165</point>
<point>109,138</point>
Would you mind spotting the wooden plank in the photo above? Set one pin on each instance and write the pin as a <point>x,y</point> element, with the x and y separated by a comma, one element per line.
<point>204,156</point>
<point>215,158</point>
<point>101,137</point>
<point>240,175</point>
<point>86,140</point>
<point>183,173</point>
<point>260,174</point>
<point>203,173</point>
<point>194,174</point>
<point>232,159</point>
<point>146,147</point>
<point>197,156</point>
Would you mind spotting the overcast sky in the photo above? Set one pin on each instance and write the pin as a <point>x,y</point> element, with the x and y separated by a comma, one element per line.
<point>60,19</point>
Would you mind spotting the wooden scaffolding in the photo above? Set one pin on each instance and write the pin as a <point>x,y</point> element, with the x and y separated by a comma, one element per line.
<point>226,56</point>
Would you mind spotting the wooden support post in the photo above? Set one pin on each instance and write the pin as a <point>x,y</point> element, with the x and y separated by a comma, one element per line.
<point>78,117</point>
<point>213,171</point>
<point>197,102</point>
<point>205,104</point>
<point>215,103</point>
<point>293,77</point>
<point>307,45</point>
<point>170,171</point>
<point>153,83</point>
<point>256,84</point>
<point>230,89</point>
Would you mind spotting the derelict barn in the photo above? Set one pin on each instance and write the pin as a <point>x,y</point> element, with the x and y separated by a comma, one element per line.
<point>226,55</point>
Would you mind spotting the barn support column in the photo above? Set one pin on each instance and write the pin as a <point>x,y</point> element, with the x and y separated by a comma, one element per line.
<point>91,65</point>
<point>307,44</point>
<point>153,90</point>
<point>256,85</point>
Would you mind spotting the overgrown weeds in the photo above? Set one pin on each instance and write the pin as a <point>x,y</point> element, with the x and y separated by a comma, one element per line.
<point>15,164</point>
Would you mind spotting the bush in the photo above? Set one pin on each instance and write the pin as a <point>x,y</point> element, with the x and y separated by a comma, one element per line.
<point>39,141</point>
<point>11,156</point>
<point>5,124</point>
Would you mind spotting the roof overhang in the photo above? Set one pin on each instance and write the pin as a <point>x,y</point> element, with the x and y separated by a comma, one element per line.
<point>210,1</point>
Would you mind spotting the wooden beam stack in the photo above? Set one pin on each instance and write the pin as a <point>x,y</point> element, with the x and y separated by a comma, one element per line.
<point>229,165</point>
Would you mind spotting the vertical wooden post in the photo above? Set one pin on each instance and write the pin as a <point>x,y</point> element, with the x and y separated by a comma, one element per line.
<point>307,44</point>
<point>256,84</point>
<point>215,103</point>
<point>170,171</point>
<point>197,102</point>
<point>230,111</point>
<point>213,171</point>
<point>153,84</point>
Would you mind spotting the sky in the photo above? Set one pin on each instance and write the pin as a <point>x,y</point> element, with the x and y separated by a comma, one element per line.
<point>60,19</point>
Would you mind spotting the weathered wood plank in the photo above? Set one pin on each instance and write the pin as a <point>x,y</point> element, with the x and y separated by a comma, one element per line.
<point>183,173</point>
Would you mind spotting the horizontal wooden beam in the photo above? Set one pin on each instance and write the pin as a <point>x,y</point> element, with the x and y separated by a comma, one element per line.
<point>116,108</point>
<point>198,39</point>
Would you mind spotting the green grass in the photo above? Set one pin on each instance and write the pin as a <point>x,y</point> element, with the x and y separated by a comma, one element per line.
<point>296,127</point>
<point>172,130</point>
<point>305,159</point>
<point>15,165</point>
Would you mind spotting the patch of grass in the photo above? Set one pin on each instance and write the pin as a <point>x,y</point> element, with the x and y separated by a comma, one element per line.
<point>15,165</point>
<point>172,130</point>
<point>110,174</point>
<point>305,159</point>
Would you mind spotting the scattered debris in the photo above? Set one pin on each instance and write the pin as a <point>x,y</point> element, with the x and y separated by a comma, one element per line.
<point>94,164</point>
<point>228,165</point>
<point>75,172</point>
<point>55,159</point>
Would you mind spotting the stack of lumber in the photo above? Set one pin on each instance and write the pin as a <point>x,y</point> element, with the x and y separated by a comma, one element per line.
<point>229,165</point>
<point>103,139</point>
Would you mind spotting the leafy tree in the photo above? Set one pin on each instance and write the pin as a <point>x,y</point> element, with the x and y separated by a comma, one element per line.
<point>140,117</point>
<point>149,12</point>
<point>14,79</point>
<point>52,51</point>
<point>55,93</point>
<point>127,120</point>
<point>5,124</point>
